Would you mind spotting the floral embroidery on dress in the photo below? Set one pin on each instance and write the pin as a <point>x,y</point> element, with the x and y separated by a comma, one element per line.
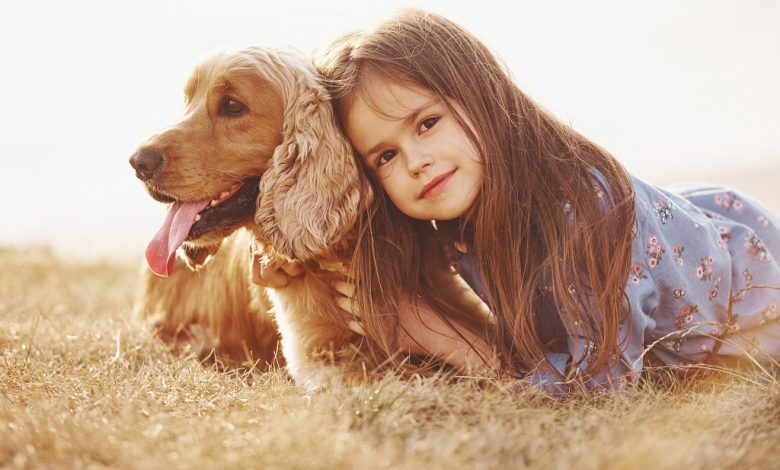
<point>748,276</point>
<point>678,293</point>
<point>569,211</point>
<point>725,238</point>
<point>676,344</point>
<point>714,291</point>
<point>769,313</point>
<point>664,210</point>
<point>755,248</point>
<point>589,350</point>
<point>756,346</point>
<point>637,273</point>
<point>686,315</point>
<point>728,201</point>
<point>762,221</point>
<point>704,269</point>
<point>599,191</point>
<point>677,252</point>
<point>654,252</point>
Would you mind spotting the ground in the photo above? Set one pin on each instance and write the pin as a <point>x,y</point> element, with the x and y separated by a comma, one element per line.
<point>84,384</point>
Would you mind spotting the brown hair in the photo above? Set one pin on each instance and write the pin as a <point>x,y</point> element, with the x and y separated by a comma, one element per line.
<point>554,207</point>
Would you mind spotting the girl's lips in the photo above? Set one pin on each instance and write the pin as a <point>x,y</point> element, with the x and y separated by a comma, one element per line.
<point>436,185</point>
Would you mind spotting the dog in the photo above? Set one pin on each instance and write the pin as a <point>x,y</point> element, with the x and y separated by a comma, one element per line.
<point>257,160</point>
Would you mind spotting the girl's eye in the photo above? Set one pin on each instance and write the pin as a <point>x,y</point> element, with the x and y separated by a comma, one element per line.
<point>385,157</point>
<point>428,123</point>
<point>232,107</point>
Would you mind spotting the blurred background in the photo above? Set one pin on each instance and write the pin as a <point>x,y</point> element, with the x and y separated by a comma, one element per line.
<point>678,91</point>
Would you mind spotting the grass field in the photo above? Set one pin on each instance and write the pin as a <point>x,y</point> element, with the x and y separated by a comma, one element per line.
<point>83,384</point>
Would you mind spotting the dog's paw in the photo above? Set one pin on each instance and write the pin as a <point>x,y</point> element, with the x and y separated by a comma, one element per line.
<point>316,377</point>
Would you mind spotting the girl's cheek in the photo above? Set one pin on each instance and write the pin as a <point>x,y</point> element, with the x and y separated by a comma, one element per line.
<point>388,184</point>
<point>384,174</point>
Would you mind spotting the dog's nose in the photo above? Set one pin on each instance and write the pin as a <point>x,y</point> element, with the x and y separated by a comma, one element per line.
<point>146,163</point>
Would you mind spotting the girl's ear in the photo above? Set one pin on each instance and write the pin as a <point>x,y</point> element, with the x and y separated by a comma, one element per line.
<point>312,193</point>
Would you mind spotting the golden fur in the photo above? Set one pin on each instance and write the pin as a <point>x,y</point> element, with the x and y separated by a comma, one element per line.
<point>310,199</point>
<point>215,312</point>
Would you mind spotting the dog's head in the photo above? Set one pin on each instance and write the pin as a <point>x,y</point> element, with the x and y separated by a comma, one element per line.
<point>257,147</point>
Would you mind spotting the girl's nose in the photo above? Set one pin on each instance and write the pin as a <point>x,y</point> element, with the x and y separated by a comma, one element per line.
<point>418,161</point>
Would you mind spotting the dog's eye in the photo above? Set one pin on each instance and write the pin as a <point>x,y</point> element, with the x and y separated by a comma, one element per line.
<point>231,107</point>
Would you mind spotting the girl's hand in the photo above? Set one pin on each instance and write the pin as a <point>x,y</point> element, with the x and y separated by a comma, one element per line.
<point>423,331</point>
<point>344,296</point>
<point>273,273</point>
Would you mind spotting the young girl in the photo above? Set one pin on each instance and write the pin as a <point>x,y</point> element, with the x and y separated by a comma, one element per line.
<point>583,266</point>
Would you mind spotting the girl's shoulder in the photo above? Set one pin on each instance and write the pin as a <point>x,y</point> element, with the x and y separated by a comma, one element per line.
<point>667,214</point>
<point>674,207</point>
<point>696,206</point>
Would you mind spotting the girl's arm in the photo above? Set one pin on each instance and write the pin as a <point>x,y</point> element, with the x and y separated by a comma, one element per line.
<point>423,331</point>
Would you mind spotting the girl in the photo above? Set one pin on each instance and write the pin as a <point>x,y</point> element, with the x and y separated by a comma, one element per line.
<point>588,271</point>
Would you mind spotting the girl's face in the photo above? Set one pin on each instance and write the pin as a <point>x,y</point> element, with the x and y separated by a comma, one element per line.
<point>414,144</point>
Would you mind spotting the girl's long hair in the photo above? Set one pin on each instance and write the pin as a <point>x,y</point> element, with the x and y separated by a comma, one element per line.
<point>554,215</point>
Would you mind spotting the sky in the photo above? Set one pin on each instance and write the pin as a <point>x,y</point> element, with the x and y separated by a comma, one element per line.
<point>675,90</point>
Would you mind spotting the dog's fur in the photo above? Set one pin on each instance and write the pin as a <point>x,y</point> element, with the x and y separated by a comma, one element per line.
<point>310,196</point>
<point>214,312</point>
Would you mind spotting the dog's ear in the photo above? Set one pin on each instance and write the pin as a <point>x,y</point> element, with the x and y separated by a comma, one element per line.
<point>312,193</point>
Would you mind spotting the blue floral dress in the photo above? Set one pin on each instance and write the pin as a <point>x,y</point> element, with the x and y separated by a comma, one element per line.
<point>704,287</point>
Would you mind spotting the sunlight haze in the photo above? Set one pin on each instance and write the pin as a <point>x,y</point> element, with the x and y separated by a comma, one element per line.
<point>675,90</point>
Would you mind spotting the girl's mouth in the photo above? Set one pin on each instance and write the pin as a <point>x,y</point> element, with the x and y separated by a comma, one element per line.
<point>436,185</point>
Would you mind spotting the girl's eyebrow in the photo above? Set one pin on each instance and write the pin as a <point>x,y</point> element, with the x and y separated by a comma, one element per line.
<point>410,119</point>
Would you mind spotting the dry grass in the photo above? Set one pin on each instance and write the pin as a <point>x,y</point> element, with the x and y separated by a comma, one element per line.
<point>82,384</point>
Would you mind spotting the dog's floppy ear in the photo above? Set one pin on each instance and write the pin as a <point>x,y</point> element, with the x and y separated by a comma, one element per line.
<point>312,193</point>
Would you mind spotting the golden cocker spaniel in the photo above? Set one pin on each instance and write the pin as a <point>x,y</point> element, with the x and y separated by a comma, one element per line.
<point>256,159</point>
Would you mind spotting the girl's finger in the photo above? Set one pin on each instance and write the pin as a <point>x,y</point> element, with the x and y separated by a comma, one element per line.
<point>347,289</point>
<point>356,327</point>
<point>346,270</point>
<point>344,297</point>
<point>346,304</point>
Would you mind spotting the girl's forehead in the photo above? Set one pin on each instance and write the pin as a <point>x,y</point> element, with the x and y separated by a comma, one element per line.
<point>392,98</point>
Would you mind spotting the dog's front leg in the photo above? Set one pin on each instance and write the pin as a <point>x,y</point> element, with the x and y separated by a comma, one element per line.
<point>306,335</point>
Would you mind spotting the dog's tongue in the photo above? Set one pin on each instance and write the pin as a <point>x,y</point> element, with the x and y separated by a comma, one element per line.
<point>162,249</point>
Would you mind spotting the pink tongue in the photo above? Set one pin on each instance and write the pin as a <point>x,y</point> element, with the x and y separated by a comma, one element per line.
<point>162,249</point>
